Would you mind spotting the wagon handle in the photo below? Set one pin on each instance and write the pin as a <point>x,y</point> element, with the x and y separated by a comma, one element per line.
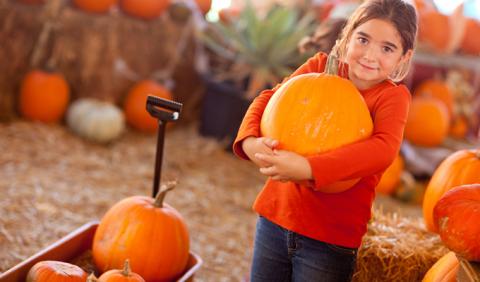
<point>165,111</point>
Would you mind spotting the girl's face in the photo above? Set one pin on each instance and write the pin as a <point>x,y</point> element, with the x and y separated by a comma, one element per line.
<point>374,52</point>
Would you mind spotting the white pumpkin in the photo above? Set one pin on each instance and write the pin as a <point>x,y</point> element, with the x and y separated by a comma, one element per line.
<point>95,120</point>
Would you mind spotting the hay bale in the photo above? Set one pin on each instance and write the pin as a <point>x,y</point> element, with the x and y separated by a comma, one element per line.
<point>397,248</point>
<point>101,56</point>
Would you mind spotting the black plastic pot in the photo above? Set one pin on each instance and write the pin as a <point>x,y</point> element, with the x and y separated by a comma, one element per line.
<point>222,111</point>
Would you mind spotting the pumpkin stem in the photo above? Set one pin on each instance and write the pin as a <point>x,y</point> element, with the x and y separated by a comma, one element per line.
<point>163,192</point>
<point>126,268</point>
<point>332,65</point>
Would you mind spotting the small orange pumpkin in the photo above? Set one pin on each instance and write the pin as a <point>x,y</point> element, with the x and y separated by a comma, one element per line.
<point>123,275</point>
<point>391,178</point>
<point>51,271</point>
<point>135,105</point>
<point>150,233</point>
<point>471,40</point>
<point>95,6</point>
<point>145,9</point>
<point>456,216</point>
<point>459,127</point>
<point>437,89</point>
<point>460,168</point>
<point>44,96</point>
<point>313,113</point>
<point>428,122</point>
<point>444,270</point>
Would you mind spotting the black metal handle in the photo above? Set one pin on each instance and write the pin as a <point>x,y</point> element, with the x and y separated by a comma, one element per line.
<point>156,107</point>
<point>173,108</point>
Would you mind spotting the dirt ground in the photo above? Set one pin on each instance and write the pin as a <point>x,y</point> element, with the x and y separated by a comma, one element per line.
<point>52,182</point>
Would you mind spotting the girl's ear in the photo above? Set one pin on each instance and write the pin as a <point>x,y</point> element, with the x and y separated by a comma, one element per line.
<point>406,58</point>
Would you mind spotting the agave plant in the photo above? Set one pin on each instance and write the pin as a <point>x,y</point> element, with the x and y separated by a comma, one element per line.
<point>260,48</point>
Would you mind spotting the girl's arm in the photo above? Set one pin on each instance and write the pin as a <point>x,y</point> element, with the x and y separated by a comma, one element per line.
<point>251,122</point>
<point>372,155</point>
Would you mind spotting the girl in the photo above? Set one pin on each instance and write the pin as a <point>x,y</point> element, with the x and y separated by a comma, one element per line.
<point>302,233</point>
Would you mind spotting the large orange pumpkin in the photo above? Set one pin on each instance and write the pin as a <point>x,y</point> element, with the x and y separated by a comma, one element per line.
<point>121,275</point>
<point>95,6</point>
<point>56,271</point>
<point>44,96</point>
<point>135,105</point>
<point>462,167</point>
<point>314,113</point>
<point>433,30</point>
<point>145,9</point>
<point>391,178</point>
<point>428,122</point>
<point>444,270</point>
<point>457,218</point>
<point>148,232</point>
<point>437,89</point>
<point>471,40</point>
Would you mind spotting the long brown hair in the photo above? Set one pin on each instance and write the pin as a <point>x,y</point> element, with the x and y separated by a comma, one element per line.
<point>398,12</point>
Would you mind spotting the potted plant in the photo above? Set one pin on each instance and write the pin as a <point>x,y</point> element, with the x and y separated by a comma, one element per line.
<point>249,54</point>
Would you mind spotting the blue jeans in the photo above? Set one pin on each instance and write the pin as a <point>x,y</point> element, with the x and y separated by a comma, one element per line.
<point>282,255</point>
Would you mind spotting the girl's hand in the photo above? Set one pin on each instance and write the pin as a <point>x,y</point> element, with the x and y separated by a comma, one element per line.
<point>285,166</point>
<point>261,145</point>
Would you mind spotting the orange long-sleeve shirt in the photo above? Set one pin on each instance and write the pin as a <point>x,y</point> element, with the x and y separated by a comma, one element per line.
<point>339,218</point>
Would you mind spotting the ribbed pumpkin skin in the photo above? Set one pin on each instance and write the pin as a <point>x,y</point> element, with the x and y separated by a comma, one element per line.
<point>145,9</point>
<point>56,271</point>
<point>44,96</point>
<point>457,217</point>
<point>460,168</point>
<point>444,270</point>
<point>391,177</point>
<point>314,113</point>
<point>95,6</point>
<point>154,240</point>
<point>135,105</point>
<point>428,122</point>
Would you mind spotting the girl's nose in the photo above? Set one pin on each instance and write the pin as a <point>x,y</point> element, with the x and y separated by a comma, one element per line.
<point>370,53</point>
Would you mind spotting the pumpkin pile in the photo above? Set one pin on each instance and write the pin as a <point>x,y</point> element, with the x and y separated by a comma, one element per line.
<point>45,97</point>
<point>460,168</point>
<point>442,33</point>
<point>139,233</point>
<point>452,209</point>
<point>313,113</point>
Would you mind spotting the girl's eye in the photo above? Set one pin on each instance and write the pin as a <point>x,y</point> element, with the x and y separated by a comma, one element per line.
<point>362,40</point>
<point>387,49</point>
